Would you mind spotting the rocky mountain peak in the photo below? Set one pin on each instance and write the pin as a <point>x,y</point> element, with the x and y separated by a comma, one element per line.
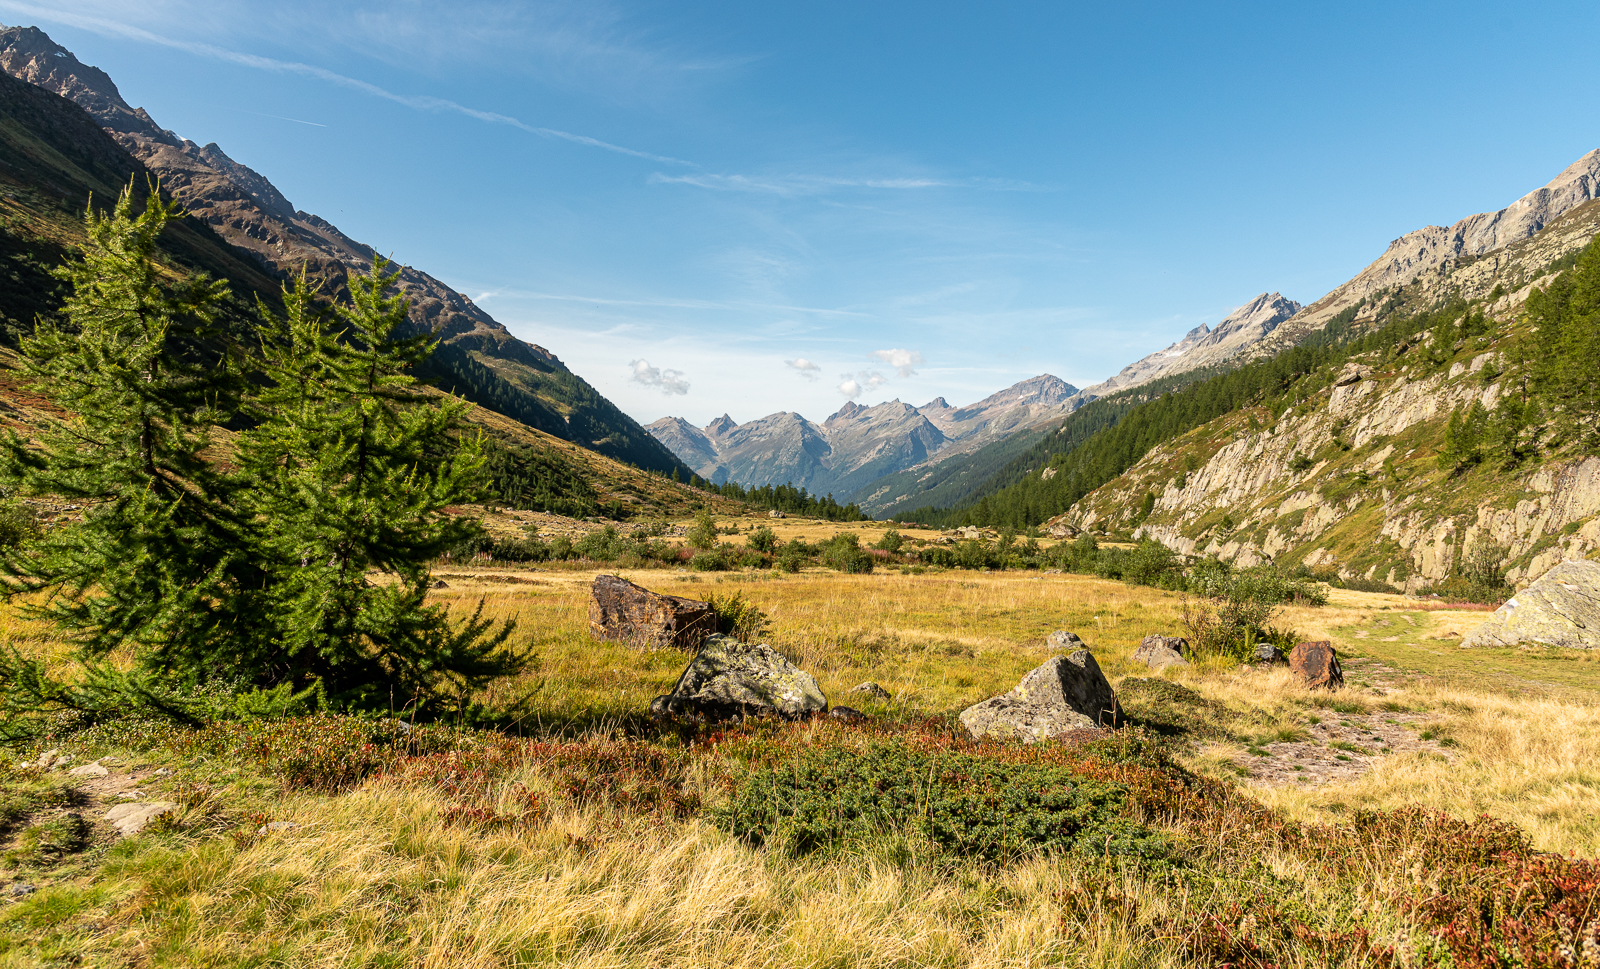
<point>721,426</point>
<point>29,53</point>
<point>849,410</point>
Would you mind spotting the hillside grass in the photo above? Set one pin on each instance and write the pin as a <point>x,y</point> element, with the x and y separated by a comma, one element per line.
<point>457,858</point>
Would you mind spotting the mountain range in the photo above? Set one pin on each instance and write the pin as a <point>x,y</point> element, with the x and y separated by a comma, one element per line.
<point>857,445</point>
<point>477,358</point>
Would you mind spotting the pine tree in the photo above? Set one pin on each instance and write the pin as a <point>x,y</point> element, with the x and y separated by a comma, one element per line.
<point>349,468</point>
<point>157,564</point>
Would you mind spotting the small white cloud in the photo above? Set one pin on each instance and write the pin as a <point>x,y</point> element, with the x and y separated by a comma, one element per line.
<point>853,386</point>
<point>669,382</point>
<point>807,368</point>
<point>904,362</point>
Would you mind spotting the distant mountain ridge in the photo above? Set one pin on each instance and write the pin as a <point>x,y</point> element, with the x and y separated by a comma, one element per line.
<point>858,445</point>
<point>478,357</point>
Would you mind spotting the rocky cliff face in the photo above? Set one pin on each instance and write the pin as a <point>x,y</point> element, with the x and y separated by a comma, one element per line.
<point>243,207</point>
<point>1349,479</point>
<point>858,445</point>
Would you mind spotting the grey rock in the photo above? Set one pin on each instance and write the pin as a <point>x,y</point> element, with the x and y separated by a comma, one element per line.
<point>89,770</point>
<point>47,759</point>
<point>1268,654</point>
<point>271,826</point>
<point>1067,693</point>
<point>132,818</point>
<point>1064,641</point>
<point>20,889</point>
<point>871,689</point>
<point>441,584</point>
<point>1158,652</point>
<point>847,714</point>
<point>729,679</point>
<point>1561,609</point>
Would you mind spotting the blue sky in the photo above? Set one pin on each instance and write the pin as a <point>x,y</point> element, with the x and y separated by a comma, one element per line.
<point>709,207</point>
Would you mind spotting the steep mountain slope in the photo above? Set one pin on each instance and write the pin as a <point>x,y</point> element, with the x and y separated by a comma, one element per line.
<point>857,445</point>
<point>1424,258</point>
<point>479,358</point>
<point>1205,346</point>
<point>53,157</point>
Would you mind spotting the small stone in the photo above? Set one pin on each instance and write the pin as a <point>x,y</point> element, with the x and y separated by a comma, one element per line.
<point>1064,641</point>
<point>110,761</point>
<point>162,771</point>
<point>847,714</point>
<point>47,759</point>
<point>132,818</point>
<point>88,770</point>
<point>1268,654</point>
<point>871,689</point>
<point>441,584</point>
<point>19,889</point>
<point>1158,652</point>
<point>1317,665</point>
<point>271,826</point>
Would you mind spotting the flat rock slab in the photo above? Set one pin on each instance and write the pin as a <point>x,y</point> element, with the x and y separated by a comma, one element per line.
<point>89,770</point>
<point>1562,609</point>
<point>622,612</point>
<point>1316,665</point>
<point>132,818</point>
<point>729,679</point>
<point>1066,694</point>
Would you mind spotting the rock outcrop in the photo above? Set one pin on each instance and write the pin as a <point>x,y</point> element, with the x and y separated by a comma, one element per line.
<point>729,679</point>
<point>1159,651</point>
<point>622,612</point>
<point>1316,665</point>
<point>1066,694</point>
<point>1064,640</point>
<point>1561,609</point>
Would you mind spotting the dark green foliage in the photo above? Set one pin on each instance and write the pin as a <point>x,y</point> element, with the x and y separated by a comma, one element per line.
<point>785,498</point>
<point>844,553</point>
<point>539,479</point>
<point>1464,437</point>
<point>961,803</point>
<point>1300,462</point>
<point>703,534</point>
<point>891,542</point>
<point>335,476</point>
<point>255,575</point>
<point>1566,354</point>
<point>156,565</point>
<point>763,540</point>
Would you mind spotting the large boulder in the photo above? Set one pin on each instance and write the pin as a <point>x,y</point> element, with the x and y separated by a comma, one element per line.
<point>622,612</point>
<point>1159,651</point>
<point>1317,665</point>
<point>1067,693</point>
<point>1561,609</point>
<point>729,679</point>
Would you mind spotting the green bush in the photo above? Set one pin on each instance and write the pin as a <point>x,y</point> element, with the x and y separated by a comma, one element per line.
<point>891,542</point>
<point>964,804</point>
<point>844,552</point>
<point>708,561</point>
<point>762,540</point>
<point>739,617</point>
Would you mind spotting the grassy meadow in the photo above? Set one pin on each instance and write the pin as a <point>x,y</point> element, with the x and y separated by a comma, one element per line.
<point>597,839</point>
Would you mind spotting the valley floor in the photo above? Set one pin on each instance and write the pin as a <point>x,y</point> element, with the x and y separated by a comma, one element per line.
<point>406,868</point>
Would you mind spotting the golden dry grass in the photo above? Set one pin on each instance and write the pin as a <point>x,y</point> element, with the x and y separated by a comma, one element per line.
<point>375,877</point>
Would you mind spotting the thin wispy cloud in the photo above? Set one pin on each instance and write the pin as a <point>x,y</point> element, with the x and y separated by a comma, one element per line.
<point>669,382</point>
<point>806,368</point>
<point>904,362</point>
<point>420,102</point>
<point>669,302</point>
<point>795,185</point>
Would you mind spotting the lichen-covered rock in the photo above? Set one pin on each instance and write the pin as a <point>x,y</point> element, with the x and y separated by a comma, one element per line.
<point>1067,693</point>
<point>729,679</point>
<point>1159,651</point>
<point>1267,654</point>
<point>133,818</point>
<point>1064,641</point>
<point>1561,609</point>
<point>1317,665</point>
<point>871,689</point>
<point>622,612</point>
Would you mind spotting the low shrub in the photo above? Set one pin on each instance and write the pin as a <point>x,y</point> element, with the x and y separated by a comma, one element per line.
<point>962,803</point>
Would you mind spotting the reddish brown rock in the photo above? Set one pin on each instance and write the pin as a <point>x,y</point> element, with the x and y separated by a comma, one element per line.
<point>1317,665</point>
<point>626,613</point>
